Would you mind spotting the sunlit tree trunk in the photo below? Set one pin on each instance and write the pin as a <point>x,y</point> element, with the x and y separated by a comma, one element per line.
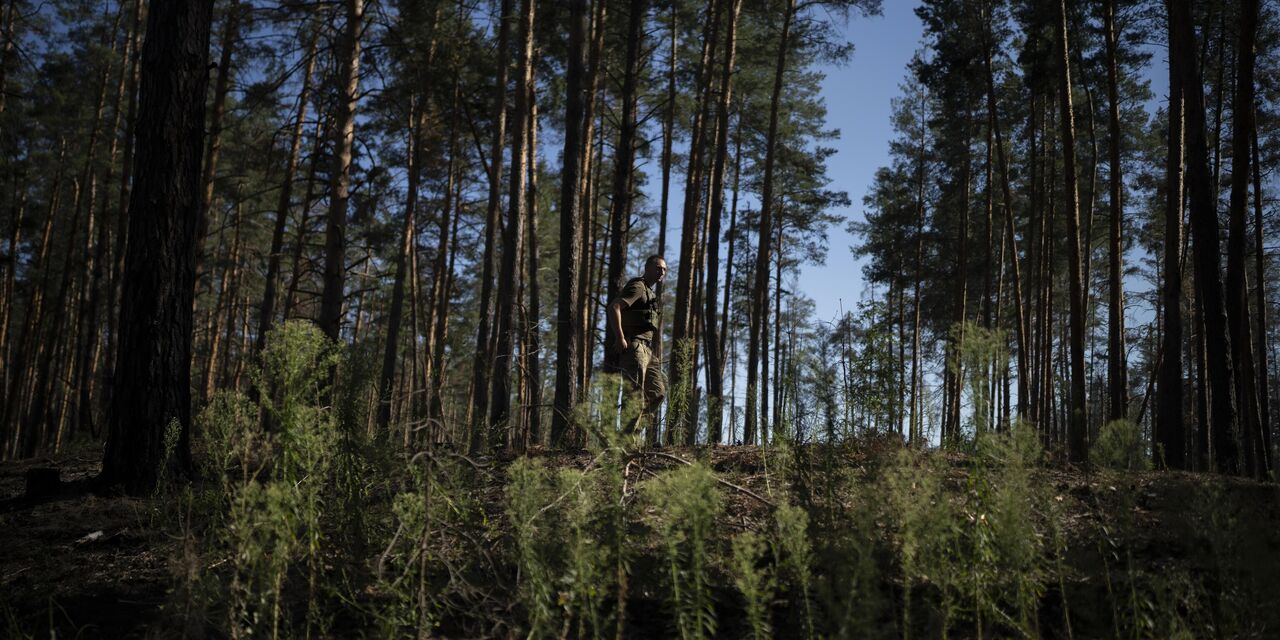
<point>344,130</point>
<point>711,341</point>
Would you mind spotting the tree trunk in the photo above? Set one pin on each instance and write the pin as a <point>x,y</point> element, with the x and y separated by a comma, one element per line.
<point>1241,329</point>
<point>1169,430</point>
<point>1077,428</point>
<point>408,238</point>
<point>225,297</point>
<point>304,217</point>
<point>624,158</point>
<point>532,350</point>
<point>154,361</point>
<point>513,237</point>
<point>568,310</point>
<point>761,285</point>
<point>1260,276</point>
<point>344,130</point>
<point>1117,364</point>
<point>230,32</point>
<point>1204,235</point>
<point>1006,192</point>
<point>686,277</point>
<point>712,342</point>
<point>266,313</point>
<point>483,363</point>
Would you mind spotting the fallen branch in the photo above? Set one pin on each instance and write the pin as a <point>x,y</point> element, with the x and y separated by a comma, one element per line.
<point>722,481</point>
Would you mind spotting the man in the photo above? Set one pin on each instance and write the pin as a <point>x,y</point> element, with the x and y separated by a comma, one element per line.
<point>635,318</point>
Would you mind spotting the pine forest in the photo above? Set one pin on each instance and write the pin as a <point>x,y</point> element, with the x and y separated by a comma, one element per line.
<point>639,318</point>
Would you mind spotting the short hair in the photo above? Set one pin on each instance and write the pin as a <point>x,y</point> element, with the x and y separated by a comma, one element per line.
<point>653,258</point>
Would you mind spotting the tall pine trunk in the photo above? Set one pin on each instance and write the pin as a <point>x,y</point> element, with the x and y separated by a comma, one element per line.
<point>568,311</point>
<point>154,361</point>
<point>1204,235</point>
<point>1117,361</point>
<point>1077,436</point>
<point>344,131</point>
<point>512,239</point>
<point>1241,329</point>
<point>1169,430</point>
<point>760,287</point>
<point>715,364</point>
<point>266,312</point>
<point>483,362</point>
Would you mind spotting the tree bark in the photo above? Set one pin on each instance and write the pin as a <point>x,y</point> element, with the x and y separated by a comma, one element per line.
<point>266,312</point>
<point>1260,273</point>
<point>684,324</point>
<point>624,155</point>
<point>1241,329</point>
<point>154,361</point>
<point>482,365</point>
<point>1006,192</point>
<point>230,31</point>
<point>711,341</point>
<point>513,237</point>
<point>1169,428</point>
<point>344,131</point>
<point>568,309</point>
<point>1077,427</point>
<point>1117,361</point>
<point>1204,236</point>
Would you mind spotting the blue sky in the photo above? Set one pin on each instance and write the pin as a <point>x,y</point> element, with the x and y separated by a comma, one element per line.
<point>858,96</point>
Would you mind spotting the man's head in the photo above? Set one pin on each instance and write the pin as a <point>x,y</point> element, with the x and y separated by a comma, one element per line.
<point>655,268</point>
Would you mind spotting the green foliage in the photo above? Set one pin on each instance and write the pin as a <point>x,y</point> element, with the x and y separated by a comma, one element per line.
<point>928,527</point>
<point>1005,530</point>
<point>754,580</point>
<point>531,493</point>
<point>795,554</point>
<point>688,501</point>
<point>277,503</point>
<point>681,391</point>
<point>977,351</point>
<point>1121,445</point>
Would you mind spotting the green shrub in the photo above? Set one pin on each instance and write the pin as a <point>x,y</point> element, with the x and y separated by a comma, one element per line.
<point>530,496</point>
<point>1121,445</point>
<point>795,554</point>
<point>754,580</point>
<point>688,502</point>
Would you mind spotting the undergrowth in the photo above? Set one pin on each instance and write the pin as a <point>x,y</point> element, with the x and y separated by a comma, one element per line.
<point>303,525</point>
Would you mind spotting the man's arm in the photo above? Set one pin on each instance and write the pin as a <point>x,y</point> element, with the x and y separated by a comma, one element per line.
<point>614,313</point>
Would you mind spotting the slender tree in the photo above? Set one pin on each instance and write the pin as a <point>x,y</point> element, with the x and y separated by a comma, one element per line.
<point>344,131</point>
<point>568,312</point>
<point>1077,436</point>
<point>1169,430</point>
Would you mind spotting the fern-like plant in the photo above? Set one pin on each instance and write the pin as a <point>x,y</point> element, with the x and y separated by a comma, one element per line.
<point>688,501</point>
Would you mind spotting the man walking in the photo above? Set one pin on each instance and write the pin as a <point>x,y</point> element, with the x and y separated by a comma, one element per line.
<point>635,318</point>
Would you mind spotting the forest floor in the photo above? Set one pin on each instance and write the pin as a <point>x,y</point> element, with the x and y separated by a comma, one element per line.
<point>86,566</point>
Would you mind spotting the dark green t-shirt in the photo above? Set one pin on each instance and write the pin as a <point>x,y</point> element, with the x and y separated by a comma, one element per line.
<point>636,296</point>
